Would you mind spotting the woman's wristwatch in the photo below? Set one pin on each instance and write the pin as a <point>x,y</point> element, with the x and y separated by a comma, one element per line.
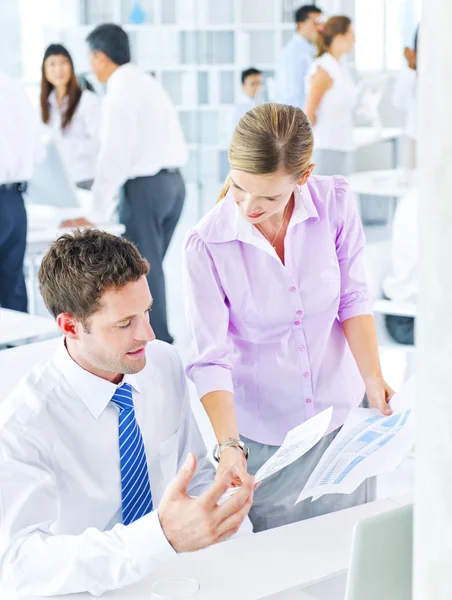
<point>230,442</point>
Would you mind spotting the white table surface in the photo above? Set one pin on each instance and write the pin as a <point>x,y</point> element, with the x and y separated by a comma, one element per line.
<point>394,307</point>
<point>17,326</point>
<point>365,136</point>
<point>257,565</point>
<point>385,182</point>
<point>43,224</point>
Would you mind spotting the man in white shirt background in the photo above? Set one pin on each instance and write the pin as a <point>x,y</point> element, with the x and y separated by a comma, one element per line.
<point>401,283</point>
<point>296,58</point>
<point>92,440</point>
<point>142,147</point>
<point>20,148</point>
<point>252,90</point>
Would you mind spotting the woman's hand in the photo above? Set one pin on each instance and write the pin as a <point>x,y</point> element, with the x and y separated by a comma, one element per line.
<point>234,456</point>
<point>379,394</point>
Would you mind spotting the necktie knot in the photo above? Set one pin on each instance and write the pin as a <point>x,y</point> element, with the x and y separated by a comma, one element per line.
<point>123,397</point>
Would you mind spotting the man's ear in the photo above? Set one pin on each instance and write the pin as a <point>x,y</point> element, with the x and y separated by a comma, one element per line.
<point>67,324</point>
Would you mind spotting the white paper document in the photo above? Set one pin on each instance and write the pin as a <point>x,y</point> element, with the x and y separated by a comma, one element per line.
<point>368,444</point>
<point>296,443</point>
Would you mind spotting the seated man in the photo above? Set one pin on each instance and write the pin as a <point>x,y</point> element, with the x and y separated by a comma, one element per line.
<point>252,88</point>
<point>401,284</point>
<point>91,441</point>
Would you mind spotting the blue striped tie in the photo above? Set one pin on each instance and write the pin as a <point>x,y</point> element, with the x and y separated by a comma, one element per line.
<point>135,486</point>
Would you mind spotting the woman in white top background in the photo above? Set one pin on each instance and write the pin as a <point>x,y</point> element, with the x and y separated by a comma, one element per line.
<point>73,113</point>
<point>331,98</point>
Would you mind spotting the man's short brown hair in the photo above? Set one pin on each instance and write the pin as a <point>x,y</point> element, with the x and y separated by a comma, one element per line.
<point>80,266</point>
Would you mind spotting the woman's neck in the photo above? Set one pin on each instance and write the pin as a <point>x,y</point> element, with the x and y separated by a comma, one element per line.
<point>276,222</point>
<point>60,93</point>
<point>335,53</point>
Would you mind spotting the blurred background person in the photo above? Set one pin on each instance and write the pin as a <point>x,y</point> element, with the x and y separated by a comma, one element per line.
<point>331,98</point>
<point>141,150</point>
<point>252,92</point>
<point>401,282</point>
<point>73,113</point>
<point>20,148</point>
<point>296,57</point>
<point>405,98</point>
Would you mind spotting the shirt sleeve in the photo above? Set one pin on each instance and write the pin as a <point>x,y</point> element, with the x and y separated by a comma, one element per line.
<point>36,560</point>
<point>404,89</point>
<point>117,140</point>
<point>92,119</point>
<point>209,365</point>
<point>350,241</point>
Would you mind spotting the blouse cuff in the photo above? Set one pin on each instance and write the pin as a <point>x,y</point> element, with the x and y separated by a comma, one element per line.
<point>356,310</point>
<point>210,378</point>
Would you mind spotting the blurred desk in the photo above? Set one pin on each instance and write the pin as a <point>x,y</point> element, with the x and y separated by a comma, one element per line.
<point>18,326</point>
<point>390,183</point>
<point>393,307</point>
<point>366,136</point>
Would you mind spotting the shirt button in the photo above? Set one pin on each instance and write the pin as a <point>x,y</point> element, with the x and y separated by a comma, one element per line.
<point>301,348</point>
<point>296,323</point>
<point>299,312</point>
<point>306,374</point>
<point>308,400</point>
<point>292,289</point>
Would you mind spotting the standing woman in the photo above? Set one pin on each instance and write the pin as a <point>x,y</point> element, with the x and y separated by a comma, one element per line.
<point>280,317</point>
<point>72,112</point>
<point>331,98</point>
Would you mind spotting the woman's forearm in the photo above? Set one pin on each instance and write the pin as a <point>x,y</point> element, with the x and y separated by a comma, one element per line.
<point>219,407</point>
<point>361,335</point>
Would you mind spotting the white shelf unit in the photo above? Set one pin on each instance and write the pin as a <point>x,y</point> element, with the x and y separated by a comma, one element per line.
<point>197,49</point>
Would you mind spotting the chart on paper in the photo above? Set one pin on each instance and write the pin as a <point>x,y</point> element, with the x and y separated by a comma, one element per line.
<point>368,444</point>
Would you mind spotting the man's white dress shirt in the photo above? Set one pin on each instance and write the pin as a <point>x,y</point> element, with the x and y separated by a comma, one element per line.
<point>291,69</point>
<point>140,135</point>
<point>60,492</point>
<point>20,144</point>
<point>79,141</point>
<point>402,281</point>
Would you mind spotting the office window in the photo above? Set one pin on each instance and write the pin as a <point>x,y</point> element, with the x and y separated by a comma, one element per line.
<point>383,29</point>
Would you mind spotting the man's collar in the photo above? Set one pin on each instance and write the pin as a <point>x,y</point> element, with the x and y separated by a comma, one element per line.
<point>92,390</point>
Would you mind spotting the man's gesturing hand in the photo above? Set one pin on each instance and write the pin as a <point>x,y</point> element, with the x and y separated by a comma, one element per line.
<point>194,523</point>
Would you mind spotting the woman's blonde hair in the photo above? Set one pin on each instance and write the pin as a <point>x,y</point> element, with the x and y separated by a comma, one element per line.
<point>333,26</point>
<point>269,137</point>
